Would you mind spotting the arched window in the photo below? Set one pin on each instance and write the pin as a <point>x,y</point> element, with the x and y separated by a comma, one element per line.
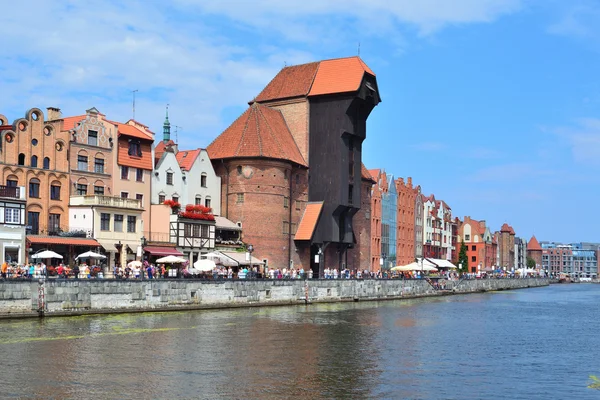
<point>21,159</point>
<point>46,163</point>
<point>34,188</point>
<point>34,161</point>
<point>198,200</point>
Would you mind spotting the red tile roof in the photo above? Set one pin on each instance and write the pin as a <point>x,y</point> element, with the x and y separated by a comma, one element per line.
<point>308,223</point>
<point>143,162</point>
<point>507,228</point>
<point>374,173</point>
<point>366,175</point>
<point>186,158</point>
<point>62,240</point>
<point>533,245</point>
<point>340,75</point>
<point>71,122</point>
<point>259,132</point>
<point>294,81</point>
<point>133,131</point>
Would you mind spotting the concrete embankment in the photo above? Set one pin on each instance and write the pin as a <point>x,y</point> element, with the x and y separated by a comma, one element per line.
<point>77,297</point>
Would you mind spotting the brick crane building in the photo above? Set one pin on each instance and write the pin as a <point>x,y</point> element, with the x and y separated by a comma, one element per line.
<point>291,170</point>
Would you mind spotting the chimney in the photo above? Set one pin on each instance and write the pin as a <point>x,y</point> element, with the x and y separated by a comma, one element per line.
<point>54,113</point>
<point>409,182</point>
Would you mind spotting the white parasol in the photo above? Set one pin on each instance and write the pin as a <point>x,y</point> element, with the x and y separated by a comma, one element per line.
<point>46,254</point>
<point>171,260</point>
<point>204,265</point>
<point>90,254</point>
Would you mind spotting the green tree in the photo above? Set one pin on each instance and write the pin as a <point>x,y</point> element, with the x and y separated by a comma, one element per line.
<point>530,263</point>
<point>463,259</point>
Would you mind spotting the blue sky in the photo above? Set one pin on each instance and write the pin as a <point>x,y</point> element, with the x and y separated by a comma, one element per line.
<point>492,105</point>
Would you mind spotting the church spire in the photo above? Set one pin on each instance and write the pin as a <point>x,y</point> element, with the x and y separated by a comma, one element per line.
<point>167,128</point>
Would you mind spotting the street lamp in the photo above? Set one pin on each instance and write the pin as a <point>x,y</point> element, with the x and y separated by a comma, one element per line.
<point>250,249</point>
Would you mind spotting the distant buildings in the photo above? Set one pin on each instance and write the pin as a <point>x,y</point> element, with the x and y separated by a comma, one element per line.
<point>579,260</point>
<point>480,244</point>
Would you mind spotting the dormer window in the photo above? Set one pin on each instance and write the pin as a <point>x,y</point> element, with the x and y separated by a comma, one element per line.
<point>135,148</point>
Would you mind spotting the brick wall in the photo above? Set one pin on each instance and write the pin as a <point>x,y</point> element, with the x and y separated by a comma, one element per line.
<point>32,136</point>
<point>359,257</point>
<point>296,115</point>
<point>254,194</point>
<point>375,225</point>
<point>405,237</point>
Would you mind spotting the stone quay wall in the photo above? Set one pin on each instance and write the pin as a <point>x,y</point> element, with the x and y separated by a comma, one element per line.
<point>76,297</point>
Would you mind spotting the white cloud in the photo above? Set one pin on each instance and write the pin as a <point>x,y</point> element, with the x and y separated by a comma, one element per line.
<point>375,15</point>
<point>75,55</point>
<point>583,139</point>
<point>579,19</point>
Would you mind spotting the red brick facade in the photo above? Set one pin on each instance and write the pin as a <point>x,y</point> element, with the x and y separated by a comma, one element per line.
<point>534,250</point>
<point>506,247</point>
<point>481,248</point>
<point>34,151</point>
<point>256,194</point>
<point>376,210</point>
<point>405,235</point>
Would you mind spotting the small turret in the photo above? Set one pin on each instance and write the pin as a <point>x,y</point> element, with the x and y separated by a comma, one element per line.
<point>167,128</point>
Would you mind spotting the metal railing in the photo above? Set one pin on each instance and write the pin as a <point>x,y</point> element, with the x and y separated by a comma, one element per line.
<point>13,192</point>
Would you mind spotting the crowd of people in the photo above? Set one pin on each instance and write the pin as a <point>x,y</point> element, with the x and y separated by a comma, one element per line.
<point>151,271</point>
<point>41,270</point>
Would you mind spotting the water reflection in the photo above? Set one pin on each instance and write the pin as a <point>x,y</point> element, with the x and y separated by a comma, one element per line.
<point>501,345</point>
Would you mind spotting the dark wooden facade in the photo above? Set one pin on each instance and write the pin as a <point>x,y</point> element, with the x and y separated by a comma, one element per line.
<point>337,130</point>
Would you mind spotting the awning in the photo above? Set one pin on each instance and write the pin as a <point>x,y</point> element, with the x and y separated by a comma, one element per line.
<point>441,263</point>
<point>225,224</point>
<point>240,258</point>
<point>72,241</point>
<point>306,227</point>
<point>109,247</point>
<point>162,251</point>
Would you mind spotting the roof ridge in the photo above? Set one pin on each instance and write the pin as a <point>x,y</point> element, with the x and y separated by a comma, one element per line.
<point>237,150</point>
<point>257,111</point>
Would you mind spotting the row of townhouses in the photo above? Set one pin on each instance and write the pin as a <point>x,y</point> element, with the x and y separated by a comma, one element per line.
<point>78,183</point>
<point>285,177</point>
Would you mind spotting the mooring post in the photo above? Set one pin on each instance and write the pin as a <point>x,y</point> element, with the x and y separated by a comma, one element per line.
<point>306,291</point>
<point>41,298</point>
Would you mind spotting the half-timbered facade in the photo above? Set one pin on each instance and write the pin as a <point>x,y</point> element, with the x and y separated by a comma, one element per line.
<point>193,237</point>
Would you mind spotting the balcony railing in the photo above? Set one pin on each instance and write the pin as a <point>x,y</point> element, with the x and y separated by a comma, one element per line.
<point>57,230</point>
<point>12,192</point>
<point>108,201</point>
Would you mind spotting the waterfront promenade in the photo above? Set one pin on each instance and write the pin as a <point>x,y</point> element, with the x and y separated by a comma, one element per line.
<point>56,297</point>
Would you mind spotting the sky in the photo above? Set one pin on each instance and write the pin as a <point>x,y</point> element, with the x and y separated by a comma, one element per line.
<point>491,105</point>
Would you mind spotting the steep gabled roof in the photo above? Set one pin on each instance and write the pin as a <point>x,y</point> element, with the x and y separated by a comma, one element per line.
<point>133,131</point>
<point>339,75</point>
<point>160,149</point>
<point>186,158</point>
<point>533,244</point>
<point>71,122</point>
<point>259,132</point>
<point>294,81</point>
<point>366,174</point>
<point>506,228</point>
<point>374,173</point>
<point>308,223</point>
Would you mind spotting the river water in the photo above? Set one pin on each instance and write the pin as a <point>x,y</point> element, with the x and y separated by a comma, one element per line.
<point>525,344</point>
